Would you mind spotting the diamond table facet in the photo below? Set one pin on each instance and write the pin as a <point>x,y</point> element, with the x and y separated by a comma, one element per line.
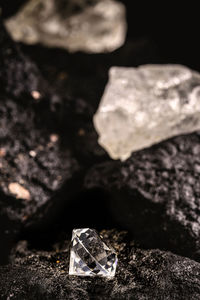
<point>90,256</point>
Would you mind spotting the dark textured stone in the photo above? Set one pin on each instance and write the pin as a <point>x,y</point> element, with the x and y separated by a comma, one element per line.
<point>150,274</point>
<point>18,75</point>
<point>48,171</point>
<point>141,274</point>
<point>35,159</point>
<point>156,194</point>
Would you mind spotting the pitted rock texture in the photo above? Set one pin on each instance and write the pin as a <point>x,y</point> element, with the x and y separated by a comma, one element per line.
<point>33,166</point>
<point>141,274</point>
<point>18,75</point>
<point>36,160</point>
<point>145,105</point>
<point>156,194</point>
<point>91,26</point>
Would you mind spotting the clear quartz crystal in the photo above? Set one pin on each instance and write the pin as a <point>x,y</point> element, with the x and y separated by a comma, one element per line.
<point>90,256</point>
<point>145,105</point>
<point>77,25</point>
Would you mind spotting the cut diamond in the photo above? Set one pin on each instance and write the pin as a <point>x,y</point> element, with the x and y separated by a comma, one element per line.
<point>90,256</point>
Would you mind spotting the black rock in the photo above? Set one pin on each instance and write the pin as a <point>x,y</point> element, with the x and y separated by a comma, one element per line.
<point>36,158</point>
<point>156,194</point>
<point>141,274</point>
<point>18,75</point>
<point>47,140</point>
<point>35,164</point>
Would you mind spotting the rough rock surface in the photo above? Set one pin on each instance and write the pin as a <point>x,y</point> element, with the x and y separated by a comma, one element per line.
<point>35,160</point>
<point>145,105</point>
<point>40,142</point>
<point>91,26</point>
<point>32,167</point>
<point>155,194</point>
<point>18,75</point>
<point>141,274</point>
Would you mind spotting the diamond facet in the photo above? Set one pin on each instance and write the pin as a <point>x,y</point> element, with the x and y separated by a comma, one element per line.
<point>90,256</point>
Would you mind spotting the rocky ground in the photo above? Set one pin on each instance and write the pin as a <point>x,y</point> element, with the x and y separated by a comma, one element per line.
<point>142,274</point>
<point>54,177</point>
<point>159,185</point>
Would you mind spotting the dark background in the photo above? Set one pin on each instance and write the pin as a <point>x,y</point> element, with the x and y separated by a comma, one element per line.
<point>160,34</point>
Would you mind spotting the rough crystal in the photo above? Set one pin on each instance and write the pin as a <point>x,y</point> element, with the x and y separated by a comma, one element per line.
<point>145,105</point>
<point>91,26</point>
<point>90,256</point>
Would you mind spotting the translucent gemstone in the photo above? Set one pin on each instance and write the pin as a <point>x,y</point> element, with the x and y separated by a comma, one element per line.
<point>145,105</point>
<point>90,256</point>
<point>77,25</point>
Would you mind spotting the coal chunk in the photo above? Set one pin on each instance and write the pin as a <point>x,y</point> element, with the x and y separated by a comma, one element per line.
<point>36,159</point>
<point>155,194</point>
<point>33,166</point>
<point>141,274</point>
<point>18,74</point>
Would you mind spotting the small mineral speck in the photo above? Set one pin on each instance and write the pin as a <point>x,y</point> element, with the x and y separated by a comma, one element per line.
<point>40,148</point>
<point>81,132</point>
<point>32,153</point>
<point>25,218</point>
<point>36,95</point>
<point>19,191</point>
<point>54,138</point>
<point>2,152</point>
<point>63,76</point>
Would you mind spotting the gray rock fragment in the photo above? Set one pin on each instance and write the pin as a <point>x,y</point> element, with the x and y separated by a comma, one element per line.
<point>81,25</point>
<point>145,105</point>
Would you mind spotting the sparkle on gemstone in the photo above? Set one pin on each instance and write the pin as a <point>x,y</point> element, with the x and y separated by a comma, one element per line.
<point>90,256</point>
